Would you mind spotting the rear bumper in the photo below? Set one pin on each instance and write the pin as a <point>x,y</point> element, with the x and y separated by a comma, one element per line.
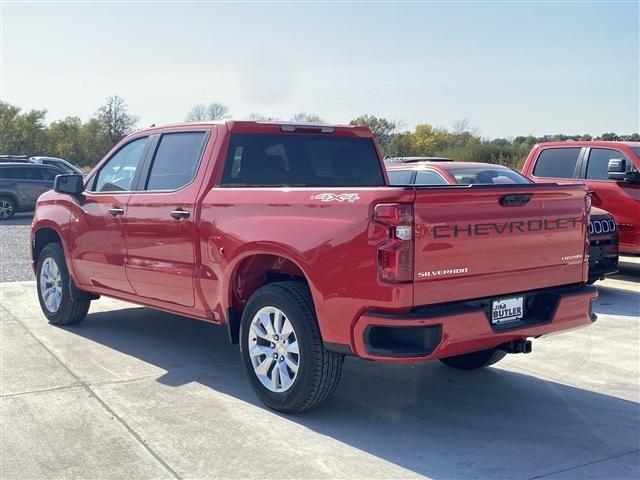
<point>453,329</point>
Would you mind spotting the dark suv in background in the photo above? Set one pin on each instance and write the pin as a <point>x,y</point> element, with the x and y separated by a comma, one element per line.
<point>21,184</point>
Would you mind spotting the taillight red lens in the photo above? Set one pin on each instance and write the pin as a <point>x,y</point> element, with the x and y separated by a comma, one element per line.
<point>395,255</point>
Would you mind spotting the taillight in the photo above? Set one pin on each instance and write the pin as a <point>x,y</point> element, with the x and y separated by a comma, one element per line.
<point>395,255</point>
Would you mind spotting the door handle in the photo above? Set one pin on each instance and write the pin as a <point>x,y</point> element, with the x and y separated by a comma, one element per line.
<point>115,211</point>
<point>179,214</point>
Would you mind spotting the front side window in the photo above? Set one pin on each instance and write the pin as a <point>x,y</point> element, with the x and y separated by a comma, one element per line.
<point>557,162</point>
<point>176,160</point>
<point>598,163</point>
<point>400,177</point>
<point>294,160</point>
<point>429,177</point>
<point>117,174</point>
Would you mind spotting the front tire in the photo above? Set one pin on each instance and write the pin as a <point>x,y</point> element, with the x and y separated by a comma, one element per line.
<point>54,289</point>
<point>474,360</point>
<point>7,208</point>
<point>288,366</point>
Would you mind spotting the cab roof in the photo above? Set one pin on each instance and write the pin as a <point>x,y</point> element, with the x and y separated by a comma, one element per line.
<point>589,143</point>
<point>273,127</point>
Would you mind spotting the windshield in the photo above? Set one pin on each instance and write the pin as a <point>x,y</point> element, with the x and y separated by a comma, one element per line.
<point>636,150</point>
<point>486,175</point>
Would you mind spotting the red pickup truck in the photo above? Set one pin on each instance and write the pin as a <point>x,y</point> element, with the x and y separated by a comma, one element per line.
<point>611,171</point>
<point>291,236</point>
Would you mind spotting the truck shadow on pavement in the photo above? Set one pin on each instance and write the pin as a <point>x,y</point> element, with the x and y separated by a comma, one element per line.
<point>427,418</point>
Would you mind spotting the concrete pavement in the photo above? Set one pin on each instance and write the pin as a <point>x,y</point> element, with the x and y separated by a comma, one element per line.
<point>135,393</point>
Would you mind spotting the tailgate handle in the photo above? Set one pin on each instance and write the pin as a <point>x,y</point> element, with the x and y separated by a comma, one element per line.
<point>515,200</point>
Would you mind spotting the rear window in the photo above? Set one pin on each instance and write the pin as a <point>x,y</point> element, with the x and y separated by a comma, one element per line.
<point>486,176</point>
<point>301,160</point>
<point>557,163</point>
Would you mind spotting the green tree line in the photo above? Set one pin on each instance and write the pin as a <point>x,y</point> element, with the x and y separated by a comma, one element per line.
<point>85,143</point>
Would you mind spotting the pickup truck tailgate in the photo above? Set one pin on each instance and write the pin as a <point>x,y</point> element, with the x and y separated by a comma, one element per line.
<point>482,241</point>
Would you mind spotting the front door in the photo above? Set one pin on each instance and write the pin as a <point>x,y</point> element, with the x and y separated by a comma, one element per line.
<point>97,241</point>
<point>160,225</point>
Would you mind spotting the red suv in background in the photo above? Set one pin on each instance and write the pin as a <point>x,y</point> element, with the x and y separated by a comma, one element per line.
<point>610,170</point>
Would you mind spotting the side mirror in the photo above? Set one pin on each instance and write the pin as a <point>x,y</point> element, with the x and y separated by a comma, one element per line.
<point>72,184</point>
<point>617,170</point>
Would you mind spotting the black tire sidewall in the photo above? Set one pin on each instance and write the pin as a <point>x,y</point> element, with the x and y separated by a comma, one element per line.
<point>297,394</point>
<point>54,250</point>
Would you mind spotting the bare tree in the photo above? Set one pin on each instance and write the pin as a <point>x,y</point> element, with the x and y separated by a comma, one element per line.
<point>197,114</point>
<point>258,117</point>
<point>217,111</point>
<point>306,118</point>
<point>114,119</point>
<point>461,126</point>
<point>213,111</point>
<point>464,126</point>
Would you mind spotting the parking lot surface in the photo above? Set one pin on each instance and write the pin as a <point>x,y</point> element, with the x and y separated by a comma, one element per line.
<point>136,393</point>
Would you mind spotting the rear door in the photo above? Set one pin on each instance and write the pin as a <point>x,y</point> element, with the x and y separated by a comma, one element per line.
<point>32,182</point>
<point>481,240</point>
<point>161,219</point>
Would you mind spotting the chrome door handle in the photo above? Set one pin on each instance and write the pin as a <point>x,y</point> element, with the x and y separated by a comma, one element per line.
<point>115,211</point>
<point>178,214</point>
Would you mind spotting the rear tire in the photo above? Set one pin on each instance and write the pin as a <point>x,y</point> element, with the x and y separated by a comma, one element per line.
<point>57,302</point>
<point>474,360</point>
<point>278,321</point>
<point>7,208</point>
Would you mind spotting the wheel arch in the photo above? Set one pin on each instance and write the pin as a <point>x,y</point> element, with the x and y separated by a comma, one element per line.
<point>253,269</point>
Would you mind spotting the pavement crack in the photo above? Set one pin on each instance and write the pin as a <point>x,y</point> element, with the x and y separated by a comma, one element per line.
<point>611,457</point>
<point>133,433</point>
<point>81,383</point>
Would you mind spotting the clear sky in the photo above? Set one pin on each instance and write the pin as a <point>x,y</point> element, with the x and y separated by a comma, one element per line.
<point>510,68</point>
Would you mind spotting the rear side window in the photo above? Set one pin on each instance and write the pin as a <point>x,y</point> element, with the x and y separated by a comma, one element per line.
<point>429,177</point>
<point>23,173</point>
<point>10,173</point>
<point>176,160</point>
<point>400,177</point>
<point>598,164</point>
<point>301,160</point>
<point>557,162</point>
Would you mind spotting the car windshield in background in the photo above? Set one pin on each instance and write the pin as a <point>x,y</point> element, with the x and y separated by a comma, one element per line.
<point>486,176</point>
<point>636,150</point>
<point>301,160</point>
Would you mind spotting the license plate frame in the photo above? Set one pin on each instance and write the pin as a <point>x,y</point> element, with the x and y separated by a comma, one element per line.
<point>507,310</point>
